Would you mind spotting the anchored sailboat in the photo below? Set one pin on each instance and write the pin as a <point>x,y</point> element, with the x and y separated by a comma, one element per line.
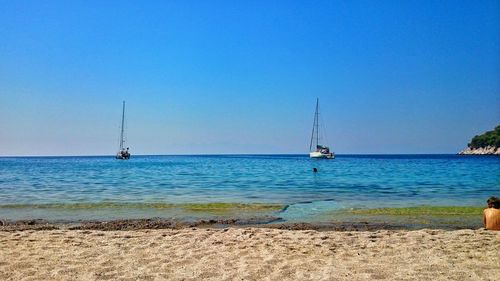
<point>123,153</point>
<point>319,151</point>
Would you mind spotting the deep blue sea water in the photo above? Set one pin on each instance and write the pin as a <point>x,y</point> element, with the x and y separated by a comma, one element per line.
<point>349,181</point>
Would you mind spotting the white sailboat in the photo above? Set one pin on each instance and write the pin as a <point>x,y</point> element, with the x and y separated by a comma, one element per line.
<point>318,150</point>
<point>123,153</point>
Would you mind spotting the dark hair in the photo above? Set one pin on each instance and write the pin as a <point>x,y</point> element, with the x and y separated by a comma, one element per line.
<point>494,201</point>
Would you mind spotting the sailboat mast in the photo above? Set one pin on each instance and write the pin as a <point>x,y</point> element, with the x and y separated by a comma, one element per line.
<point>315,128</point>
<point>317,122</point>
<point>123,122</point>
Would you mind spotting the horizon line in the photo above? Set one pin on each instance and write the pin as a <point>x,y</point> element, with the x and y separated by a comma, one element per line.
<point>230,154</point>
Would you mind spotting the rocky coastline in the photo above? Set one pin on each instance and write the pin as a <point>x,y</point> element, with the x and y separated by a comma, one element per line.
<point>488,150</point>
<point>487,143</point>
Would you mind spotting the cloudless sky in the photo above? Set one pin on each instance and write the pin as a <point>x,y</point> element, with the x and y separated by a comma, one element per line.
<point>243,76</point>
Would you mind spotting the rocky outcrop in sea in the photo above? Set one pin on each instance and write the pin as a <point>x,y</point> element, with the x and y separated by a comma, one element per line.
<point>488,150</point>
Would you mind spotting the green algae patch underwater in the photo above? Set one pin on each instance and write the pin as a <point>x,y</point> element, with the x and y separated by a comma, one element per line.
<point>422,211</point>
<point>227,208</point>
<point>190,207</point>
<point>96,205</point>
<point>109,210</point>
<point>447,217</point>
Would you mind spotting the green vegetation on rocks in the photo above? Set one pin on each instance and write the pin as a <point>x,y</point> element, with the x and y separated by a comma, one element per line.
<point>490,138</point>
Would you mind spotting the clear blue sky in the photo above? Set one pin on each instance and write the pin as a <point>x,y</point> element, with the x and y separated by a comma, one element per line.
<point>243,76</point>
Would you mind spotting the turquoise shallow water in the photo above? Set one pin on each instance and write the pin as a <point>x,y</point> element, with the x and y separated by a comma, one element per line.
<point>28,185</point>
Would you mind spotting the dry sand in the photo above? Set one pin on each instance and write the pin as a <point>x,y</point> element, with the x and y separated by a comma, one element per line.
<point>249,254</point>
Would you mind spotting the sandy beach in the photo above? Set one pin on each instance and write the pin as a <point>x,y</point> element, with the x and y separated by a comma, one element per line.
<point>249,254</point>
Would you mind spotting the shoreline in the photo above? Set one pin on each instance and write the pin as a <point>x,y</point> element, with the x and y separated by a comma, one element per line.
<point>217,223</point>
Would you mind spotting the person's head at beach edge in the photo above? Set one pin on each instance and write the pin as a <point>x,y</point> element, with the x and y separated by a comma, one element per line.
<point>493,202</point>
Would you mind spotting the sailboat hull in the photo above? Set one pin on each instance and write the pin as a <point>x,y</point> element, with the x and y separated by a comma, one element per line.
<point>122,157</point>
<point>319,155</point>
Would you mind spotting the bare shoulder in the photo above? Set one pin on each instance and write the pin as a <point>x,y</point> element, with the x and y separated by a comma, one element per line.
<point>491,211</point>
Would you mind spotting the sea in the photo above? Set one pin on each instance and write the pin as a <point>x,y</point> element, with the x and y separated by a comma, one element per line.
<point>102,188</point>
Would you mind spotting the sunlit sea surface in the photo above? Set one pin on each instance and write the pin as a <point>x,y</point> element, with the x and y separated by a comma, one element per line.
<point>80,188</point>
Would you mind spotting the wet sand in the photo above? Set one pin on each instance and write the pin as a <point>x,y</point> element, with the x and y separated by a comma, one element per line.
<point>249,253</point>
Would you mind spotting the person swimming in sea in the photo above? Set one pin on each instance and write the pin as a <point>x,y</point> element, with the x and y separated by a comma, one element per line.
<point>491,215</point>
